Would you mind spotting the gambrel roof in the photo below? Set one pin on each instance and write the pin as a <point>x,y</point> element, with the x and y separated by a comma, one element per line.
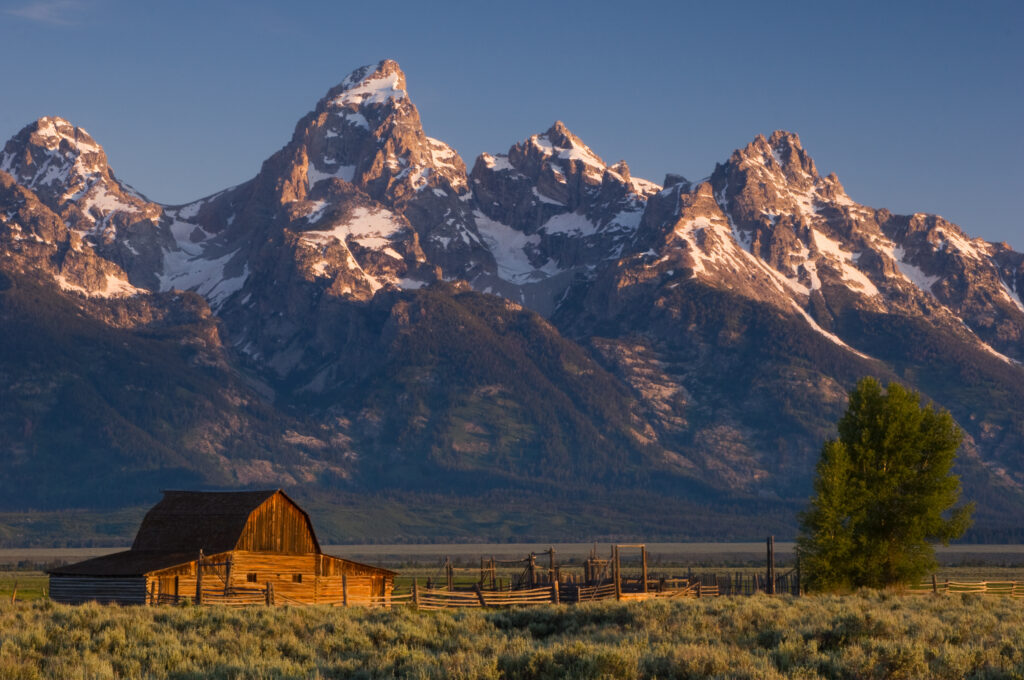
<point>211,521</point>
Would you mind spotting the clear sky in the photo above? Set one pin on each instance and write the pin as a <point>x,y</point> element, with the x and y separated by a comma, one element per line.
<point>917,106</point>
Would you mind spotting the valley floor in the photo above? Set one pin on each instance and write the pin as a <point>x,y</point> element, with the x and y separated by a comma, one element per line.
<point>867,635</point>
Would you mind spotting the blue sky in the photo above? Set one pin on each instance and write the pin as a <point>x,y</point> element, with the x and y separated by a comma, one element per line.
<point>917,106</point>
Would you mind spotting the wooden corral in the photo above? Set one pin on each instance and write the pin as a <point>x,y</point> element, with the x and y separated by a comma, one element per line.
<point>235,548</point>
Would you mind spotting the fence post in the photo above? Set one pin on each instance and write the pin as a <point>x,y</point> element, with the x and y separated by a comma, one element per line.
<point>771,566</point>
<point>935,585</point>
<point>479,594</point>
<point>533,570</point>
<point>554,592</point>
<point>415,592</point>
<point>344,590</point>
<point>616,568</point>
<point>451,574</point>
<point>699,584</point>
<point>199,579</point>
<point>643,560</point>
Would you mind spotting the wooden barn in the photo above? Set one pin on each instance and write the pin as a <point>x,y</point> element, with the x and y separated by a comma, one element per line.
<point>231,547</point>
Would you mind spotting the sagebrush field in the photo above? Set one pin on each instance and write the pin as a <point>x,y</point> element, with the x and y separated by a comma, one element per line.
<point>867,635</point>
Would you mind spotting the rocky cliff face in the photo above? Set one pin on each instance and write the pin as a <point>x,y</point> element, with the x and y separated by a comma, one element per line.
<point>699,343</point>
<point>551,210</point>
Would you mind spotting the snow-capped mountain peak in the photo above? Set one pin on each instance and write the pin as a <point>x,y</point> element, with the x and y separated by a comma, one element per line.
<point>65,166</point>
<point>370,85</point>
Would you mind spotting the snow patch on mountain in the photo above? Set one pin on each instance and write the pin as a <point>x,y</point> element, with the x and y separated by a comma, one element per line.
<point>911,272</point>
<point>843,260</point>
<point>205,275</point>
<point>102,202</point>
<point>1011,294</point>
<point>497,162</point>
<point>644,187</point>
<point>569,223</point>
<point>115,287</point>
<point>374,90</point>
<point>511,248</point>
<point>371,228</point>
<point>342,172</point>
<point>973,249</point>
<point>574,152</point>
<point>824,333</point>
<point>441,155</point>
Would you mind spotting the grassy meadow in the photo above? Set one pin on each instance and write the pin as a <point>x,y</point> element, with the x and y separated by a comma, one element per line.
<point>866,635</point>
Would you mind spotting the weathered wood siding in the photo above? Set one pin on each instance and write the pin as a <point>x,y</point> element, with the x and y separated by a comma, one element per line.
<point>297,579</point>
<point>79,589</point>
<point>279,526</point>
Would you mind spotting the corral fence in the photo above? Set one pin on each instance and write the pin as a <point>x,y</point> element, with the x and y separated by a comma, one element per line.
<point>946,587</point>
<point>524,582</point>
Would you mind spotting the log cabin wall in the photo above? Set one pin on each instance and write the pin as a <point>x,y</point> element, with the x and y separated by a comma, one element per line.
<point>296,579</point>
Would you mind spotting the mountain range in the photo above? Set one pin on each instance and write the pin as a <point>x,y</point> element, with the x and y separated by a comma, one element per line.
<point>541,346</point>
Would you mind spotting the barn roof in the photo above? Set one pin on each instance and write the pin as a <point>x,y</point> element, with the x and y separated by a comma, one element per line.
<point>183,523</point>
<point>211,521</point>
<point>127,563</point>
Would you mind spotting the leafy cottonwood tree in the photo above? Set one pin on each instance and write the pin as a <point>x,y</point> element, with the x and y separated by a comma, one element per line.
<point>883,492</point>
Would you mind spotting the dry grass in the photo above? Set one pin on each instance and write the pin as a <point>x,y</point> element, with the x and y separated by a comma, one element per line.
<point>867,635</point>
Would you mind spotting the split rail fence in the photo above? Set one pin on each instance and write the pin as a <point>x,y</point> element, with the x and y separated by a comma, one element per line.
<point>529,584</point>
<point>935,587</point>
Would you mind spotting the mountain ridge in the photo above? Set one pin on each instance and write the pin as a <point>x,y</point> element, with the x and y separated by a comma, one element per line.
<point>691,335</point>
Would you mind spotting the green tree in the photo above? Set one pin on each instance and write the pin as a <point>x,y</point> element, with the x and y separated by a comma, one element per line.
<point>883,493</point>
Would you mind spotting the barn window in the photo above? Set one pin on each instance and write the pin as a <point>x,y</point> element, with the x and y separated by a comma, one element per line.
<point>297,578</point>
<point>251,578</point>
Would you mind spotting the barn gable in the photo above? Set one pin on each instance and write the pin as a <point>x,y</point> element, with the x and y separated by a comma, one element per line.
<point>214,522</point>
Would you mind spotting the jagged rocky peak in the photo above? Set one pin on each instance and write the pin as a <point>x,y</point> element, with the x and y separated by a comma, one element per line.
<point>772,186</point>
<point>370,85</point>
<point>551,209</point>
<point>366,130</point>
<point>559,160</point>
<point>767,181</point>
<point>69,173</point>
<point>45,151</point>
<point>548,173</point>
<point>788,152</point>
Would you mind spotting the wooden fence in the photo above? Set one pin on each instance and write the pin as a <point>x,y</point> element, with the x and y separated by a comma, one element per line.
<point>530,583</point>
<point>432,598</point>
<point>713,585</point>
<point>935,587</point>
